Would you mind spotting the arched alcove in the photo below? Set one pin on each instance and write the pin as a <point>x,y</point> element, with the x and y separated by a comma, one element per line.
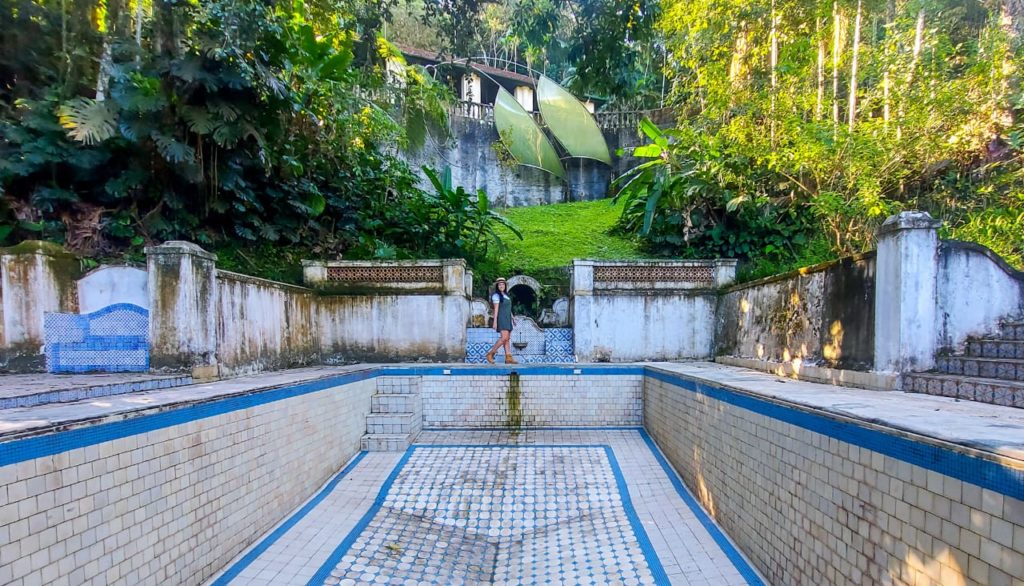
<point>525,293</point>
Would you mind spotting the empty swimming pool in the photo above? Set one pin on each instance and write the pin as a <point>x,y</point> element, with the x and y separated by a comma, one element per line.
<point>413,474</point>
<point>559,506</point>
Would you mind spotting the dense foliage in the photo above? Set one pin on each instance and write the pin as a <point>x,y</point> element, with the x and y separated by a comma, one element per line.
<point>804,124</point>
<point>601,48</point>
<point>125,122</point>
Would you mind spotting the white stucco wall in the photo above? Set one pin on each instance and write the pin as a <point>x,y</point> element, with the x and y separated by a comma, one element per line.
<point>666,327</point>
<point>393,327</point>
<point>264,325</point>
<point>975,290</point>
<point>652,315</point>
<point>109,285</point>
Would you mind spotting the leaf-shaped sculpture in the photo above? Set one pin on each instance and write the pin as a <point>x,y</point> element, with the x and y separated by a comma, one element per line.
<point>570,122</point>
<point>525,140</point>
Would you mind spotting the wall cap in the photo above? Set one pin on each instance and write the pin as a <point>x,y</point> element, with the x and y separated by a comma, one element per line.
<point>181,247</point>
<point>910,220</point>
<point>37,247</point>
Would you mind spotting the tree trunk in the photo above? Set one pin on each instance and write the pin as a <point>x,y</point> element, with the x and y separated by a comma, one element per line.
<point>774,41</point>
<point>890,15</point>
<point>836,22</point>
<point>853,67</point>
<point>915,55</point>
<point>820,103</point>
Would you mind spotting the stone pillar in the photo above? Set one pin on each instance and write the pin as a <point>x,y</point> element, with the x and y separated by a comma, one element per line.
<point>581,291</point>
<point>35,278</point>
<point>905,293</point>
<point>725,271</point>
<point>455,304</point>
<point>182,308</point>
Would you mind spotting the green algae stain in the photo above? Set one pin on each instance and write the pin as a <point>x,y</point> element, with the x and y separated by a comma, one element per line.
<point>512,400</point>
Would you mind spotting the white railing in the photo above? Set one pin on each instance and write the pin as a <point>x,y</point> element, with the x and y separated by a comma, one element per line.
<point>605,120</point>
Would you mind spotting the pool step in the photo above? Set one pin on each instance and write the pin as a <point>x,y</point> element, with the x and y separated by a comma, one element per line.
<point>1001,368</point>
<point>995,348</point>
<point>394,403</point>
<point>389,423</point>
<point>991,370</point>
<point>382,442</point>
<point>970,388</point>
<point>396,415</point>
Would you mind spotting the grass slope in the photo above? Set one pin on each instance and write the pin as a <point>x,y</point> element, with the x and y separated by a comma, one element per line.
<point>553,235</point>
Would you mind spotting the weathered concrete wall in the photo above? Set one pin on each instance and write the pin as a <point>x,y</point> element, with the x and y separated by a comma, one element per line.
<point>475,165</point>
<point>35,278</point>
<point>976,288</point>
<point>177,492</point>
<point>656,310</point>
<point>391,310</point>
<point>388,328</point>
<point>820,315</point>
<point>108,285</point>
<point>264,325</point>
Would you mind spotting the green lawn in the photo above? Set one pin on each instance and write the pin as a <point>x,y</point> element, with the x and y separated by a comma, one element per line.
<point>553,235</point>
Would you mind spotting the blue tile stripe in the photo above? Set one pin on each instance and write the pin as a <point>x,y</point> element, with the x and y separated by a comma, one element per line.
<point>653,562</point>
<point>276,534</point>
<point>980,471</point>
<point>983,472</point>
<point>503,369</point>
<point>737,559</point>
<point>542,428</point>
<point>54,443</point>
<point>332,560</point>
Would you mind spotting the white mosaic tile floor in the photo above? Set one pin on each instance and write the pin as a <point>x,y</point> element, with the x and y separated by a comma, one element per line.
<point>494,507</point>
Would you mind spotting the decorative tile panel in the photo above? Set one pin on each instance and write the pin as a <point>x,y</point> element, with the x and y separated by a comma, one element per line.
<point>113,339</point>
<point>654,273</point>
<point>386,274</point>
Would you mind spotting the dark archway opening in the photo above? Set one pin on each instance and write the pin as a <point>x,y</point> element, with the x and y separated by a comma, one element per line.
<point>524,300</point>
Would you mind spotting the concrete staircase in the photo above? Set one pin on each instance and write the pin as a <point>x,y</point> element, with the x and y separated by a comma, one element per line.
<point>990,371</point>
<point>396,415</point>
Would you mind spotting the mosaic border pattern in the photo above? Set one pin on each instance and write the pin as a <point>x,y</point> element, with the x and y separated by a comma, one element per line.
<point>653,562</point>
<point>112,339</point>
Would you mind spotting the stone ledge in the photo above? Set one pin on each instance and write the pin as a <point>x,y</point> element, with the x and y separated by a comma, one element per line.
<point>872,381</point>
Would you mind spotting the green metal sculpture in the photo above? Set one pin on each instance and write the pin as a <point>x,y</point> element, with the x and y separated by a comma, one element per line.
<point>524,139</point>
<point>568,120</point>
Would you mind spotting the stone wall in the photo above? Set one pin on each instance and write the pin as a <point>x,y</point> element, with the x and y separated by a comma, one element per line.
<point>475,165</point>
<point>264,325</point>
<point>820,315</point>
<point>811,499</point>
<point>528,400</point>
<point>656,310</point>
<point>386,311</point>
<point>170,497</point>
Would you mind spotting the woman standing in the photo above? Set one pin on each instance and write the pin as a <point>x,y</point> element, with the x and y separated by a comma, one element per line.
<point>502,321</point>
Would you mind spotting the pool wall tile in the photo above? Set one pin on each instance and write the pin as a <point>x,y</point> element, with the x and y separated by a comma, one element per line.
<point>814,500</point>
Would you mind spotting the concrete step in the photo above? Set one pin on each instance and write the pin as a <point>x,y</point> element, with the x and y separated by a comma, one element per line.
<point>389,423</point>
<point>1011,369</point>
<point>984,390</point>
<point>1012,330</point>
<point>386,442</point>
<point>396,403</point>
<point>995,348</point>
<point>399,385</point>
